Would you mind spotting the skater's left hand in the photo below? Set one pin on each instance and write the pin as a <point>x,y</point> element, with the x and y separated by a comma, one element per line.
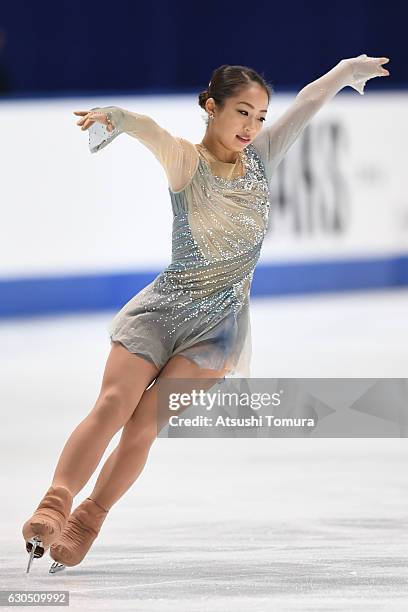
<point>365,68</point>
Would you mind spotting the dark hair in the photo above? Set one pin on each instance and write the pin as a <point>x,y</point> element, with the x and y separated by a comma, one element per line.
<point>227,81</point>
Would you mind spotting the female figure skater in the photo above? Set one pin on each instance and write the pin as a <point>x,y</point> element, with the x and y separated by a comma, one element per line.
<point>192,321</point>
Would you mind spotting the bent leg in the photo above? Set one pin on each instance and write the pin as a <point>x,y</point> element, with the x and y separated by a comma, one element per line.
<point>125,378</point>
<point>126,462</point>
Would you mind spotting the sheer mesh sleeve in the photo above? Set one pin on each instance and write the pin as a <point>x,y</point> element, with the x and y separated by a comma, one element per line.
<point>178,156</point>
<point>273,142</point>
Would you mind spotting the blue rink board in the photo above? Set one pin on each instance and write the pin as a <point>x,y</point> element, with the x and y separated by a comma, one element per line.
<point>48,295</point>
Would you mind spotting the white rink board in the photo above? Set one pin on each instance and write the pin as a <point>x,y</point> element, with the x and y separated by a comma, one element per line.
<point>76,212</point>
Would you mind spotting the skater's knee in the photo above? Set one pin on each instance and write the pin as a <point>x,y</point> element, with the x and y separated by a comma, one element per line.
<point>139,437</point>
<point>112,405</point>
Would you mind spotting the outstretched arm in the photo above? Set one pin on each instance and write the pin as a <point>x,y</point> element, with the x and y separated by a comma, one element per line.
<point>273,142</point>
<point>178,156</point>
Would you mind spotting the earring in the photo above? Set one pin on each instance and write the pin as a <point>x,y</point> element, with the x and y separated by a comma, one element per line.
<point>211,116</point>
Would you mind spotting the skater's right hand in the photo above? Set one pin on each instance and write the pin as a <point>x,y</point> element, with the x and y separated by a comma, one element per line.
<point>92,116</point>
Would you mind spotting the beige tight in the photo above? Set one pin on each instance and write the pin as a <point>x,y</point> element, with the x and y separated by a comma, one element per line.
<point>124,386</point>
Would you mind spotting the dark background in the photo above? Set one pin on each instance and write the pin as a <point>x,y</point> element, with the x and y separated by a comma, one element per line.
<point>62,47</point>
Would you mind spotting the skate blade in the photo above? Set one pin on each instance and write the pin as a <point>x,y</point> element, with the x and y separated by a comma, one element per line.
<point>35,547</point>
<point>56,567</point>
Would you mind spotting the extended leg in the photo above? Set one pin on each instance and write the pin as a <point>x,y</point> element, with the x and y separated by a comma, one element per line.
<point>121,469</point>
<point>125,379</point>
<point>126,462</point>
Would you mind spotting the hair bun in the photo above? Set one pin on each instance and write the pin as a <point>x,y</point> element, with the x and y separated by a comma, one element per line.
<point>203,97</point>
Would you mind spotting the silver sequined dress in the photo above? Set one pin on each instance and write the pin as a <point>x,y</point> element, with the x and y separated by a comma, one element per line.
<point>198,306</point>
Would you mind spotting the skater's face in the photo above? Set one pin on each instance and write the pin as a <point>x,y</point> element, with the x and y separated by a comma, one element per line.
<point>241,116</point>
